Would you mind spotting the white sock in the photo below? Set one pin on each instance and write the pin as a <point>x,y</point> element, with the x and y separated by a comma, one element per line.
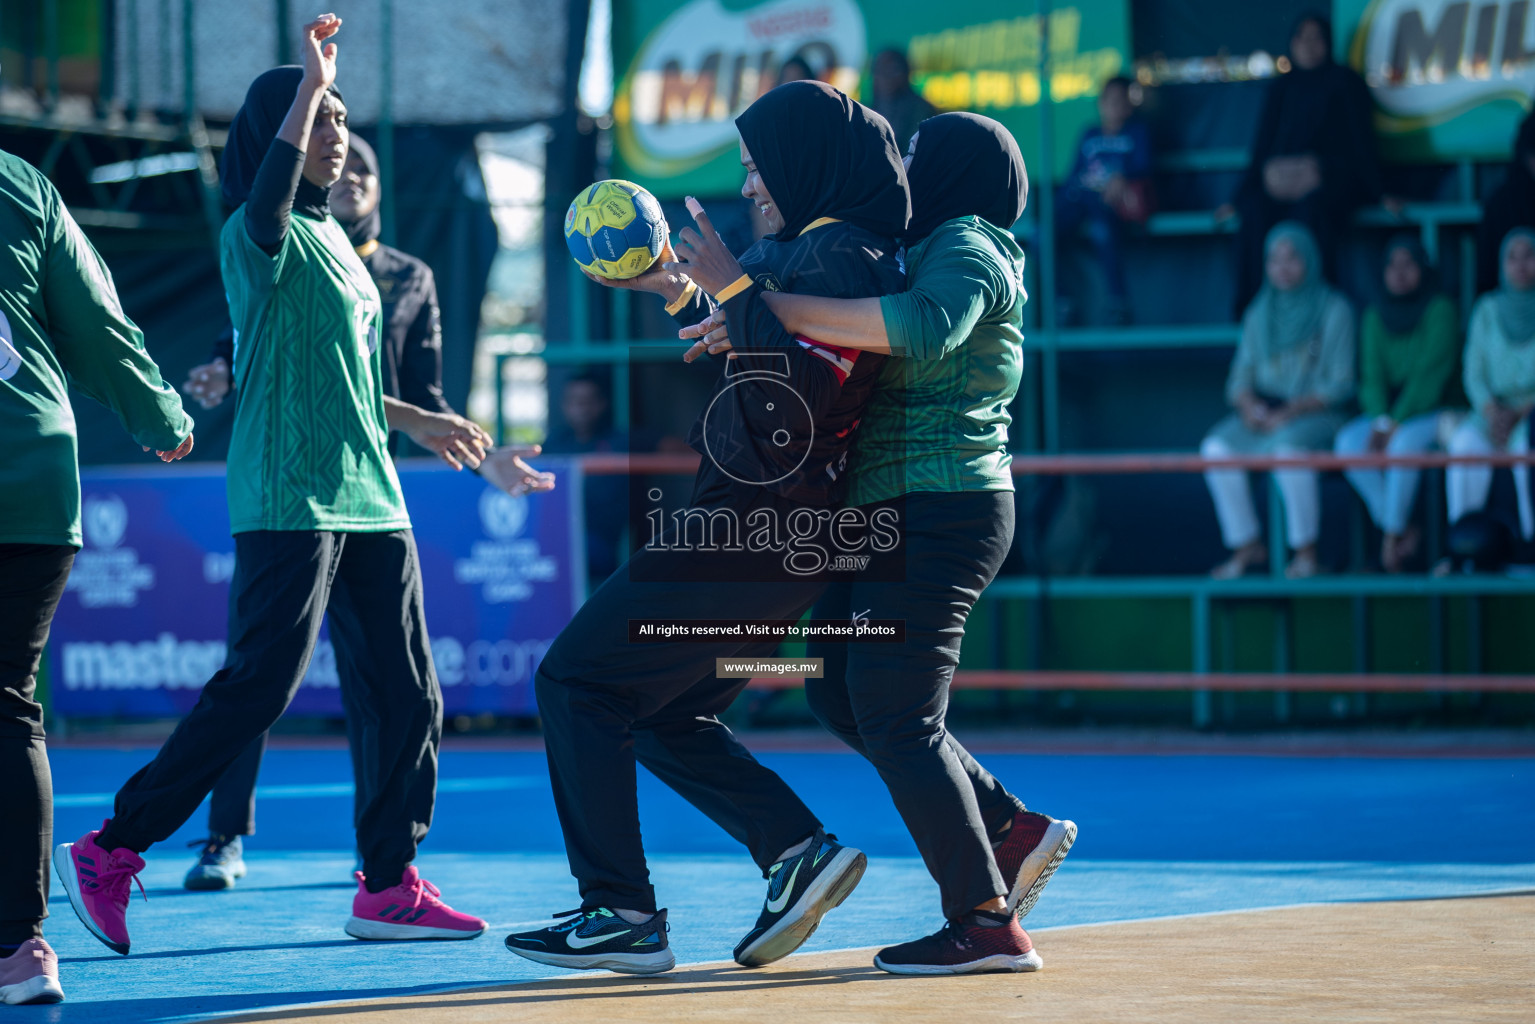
<point>633,916</point>
<point>794,851</point>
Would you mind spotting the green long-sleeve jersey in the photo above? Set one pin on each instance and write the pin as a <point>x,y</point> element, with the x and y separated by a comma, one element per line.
<point>59,315</point>
<point>939,416</point>
<point>1407,375</point>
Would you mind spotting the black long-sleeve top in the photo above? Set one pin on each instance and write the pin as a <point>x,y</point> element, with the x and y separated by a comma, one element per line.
<point>1325,112</point>
<point>270,204</point>
<point>783,413</point>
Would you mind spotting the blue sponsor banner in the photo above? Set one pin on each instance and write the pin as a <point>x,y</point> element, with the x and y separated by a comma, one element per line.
<point>142,624</point>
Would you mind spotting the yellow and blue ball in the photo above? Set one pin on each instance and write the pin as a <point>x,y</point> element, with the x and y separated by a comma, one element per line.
<point>615,229</point>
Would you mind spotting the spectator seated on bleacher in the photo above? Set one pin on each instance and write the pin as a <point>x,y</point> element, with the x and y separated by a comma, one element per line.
<point>1109,186</point>
<point>1293,371</point>
<point>1409,346</point>
<point>1500,382</point>
<point>1313,156</point>
<point>1511,205</point>
<point>893,97</point>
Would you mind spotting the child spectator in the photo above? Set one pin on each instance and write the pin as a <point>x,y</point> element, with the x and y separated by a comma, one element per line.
<point>585,427</point>
<point>1109,186</point>
<point>893,97</point>
<point>1408,349</point>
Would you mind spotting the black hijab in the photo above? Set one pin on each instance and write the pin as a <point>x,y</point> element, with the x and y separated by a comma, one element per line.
<point>821,154</point>
<point>1303,98</point>
<point>965,165</point>
<point>253,132</point>
<point>1401,313</point>
<point>365,229</point>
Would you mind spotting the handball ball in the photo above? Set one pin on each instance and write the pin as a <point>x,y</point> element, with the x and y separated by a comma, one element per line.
<point>615,229</point>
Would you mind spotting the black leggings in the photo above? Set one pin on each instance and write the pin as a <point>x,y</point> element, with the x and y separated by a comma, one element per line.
<point>32,580</point>
<point>888,701</point>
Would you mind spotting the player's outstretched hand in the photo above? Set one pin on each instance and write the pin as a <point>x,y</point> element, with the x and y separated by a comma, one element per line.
<point>457,441</point>
<point>320,60</point>
<point>505,468</point>
<point>658,280</point>
<point>713,337</point>
<point>208,383</point>
<point>704,255</point>
<point>179,452</point>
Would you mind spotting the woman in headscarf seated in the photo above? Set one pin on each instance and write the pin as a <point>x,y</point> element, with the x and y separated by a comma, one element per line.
<point>1313,155</point>
<point>1500,382</point>
<point>1294,368</point>
<point>1510,205</point>
<point>1408,350</point>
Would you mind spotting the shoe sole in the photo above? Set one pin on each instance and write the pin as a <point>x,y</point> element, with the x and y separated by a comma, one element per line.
<point>627,963</point>
<point>1024,964</point>
<point>64,870</point>
<point>32,992</point>
<point>1039,866</point>
<point>362,928</point>
<point>212,880</point>
<point>824,895</point>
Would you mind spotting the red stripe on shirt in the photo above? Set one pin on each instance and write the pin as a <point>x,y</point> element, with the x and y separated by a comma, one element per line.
<point>841,359</point>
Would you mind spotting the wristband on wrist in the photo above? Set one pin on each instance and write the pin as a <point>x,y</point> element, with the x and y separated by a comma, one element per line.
<point>734,288</point>
<point>673,308</point>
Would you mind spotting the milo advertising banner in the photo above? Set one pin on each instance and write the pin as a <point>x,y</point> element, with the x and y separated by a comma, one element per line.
<point>1451,78</point>
<point>685,68</point>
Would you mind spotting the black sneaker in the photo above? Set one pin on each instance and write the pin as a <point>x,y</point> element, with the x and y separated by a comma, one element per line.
<point>964,947</point>
<point>222,861</point>
<point>800,891</point>
<point>596,938</point>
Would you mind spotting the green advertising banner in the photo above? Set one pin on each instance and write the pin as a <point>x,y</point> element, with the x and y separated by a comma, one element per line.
<point>685,68</point>
<point>1451,78</point>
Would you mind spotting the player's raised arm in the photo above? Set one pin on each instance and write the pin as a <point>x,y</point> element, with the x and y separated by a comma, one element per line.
<point>270,203</point>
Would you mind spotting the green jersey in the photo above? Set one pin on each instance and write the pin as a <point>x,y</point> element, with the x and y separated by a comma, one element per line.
<point>309,446</point>
<point>59,315</point>
<point>1407,375</point>
<point>939,416</point>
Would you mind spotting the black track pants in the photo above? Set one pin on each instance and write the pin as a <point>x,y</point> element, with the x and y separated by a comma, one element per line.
<point>888,701</point>
<point>284,582</point>
<point>608,704</point>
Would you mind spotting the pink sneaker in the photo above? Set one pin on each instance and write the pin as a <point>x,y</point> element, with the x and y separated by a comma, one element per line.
<point>411,910</point>
<point>30,975</point>
<point>99,884</point>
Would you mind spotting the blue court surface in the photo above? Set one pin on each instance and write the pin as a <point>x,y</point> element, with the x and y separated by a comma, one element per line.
<point>1160,835</point>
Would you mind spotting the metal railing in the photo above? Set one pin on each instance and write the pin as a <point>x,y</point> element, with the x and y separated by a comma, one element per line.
<point>1205,594</point>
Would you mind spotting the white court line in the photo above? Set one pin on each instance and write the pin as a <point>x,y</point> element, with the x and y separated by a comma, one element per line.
<point>311,791</point>
<point>484,986</point>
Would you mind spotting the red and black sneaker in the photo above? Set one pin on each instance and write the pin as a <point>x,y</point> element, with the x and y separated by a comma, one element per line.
<point>1029,854</point>
<point>964,947</point>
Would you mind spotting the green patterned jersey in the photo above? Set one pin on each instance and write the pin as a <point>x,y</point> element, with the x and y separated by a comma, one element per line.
<point>939,416</point>
<point>309,445</point>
